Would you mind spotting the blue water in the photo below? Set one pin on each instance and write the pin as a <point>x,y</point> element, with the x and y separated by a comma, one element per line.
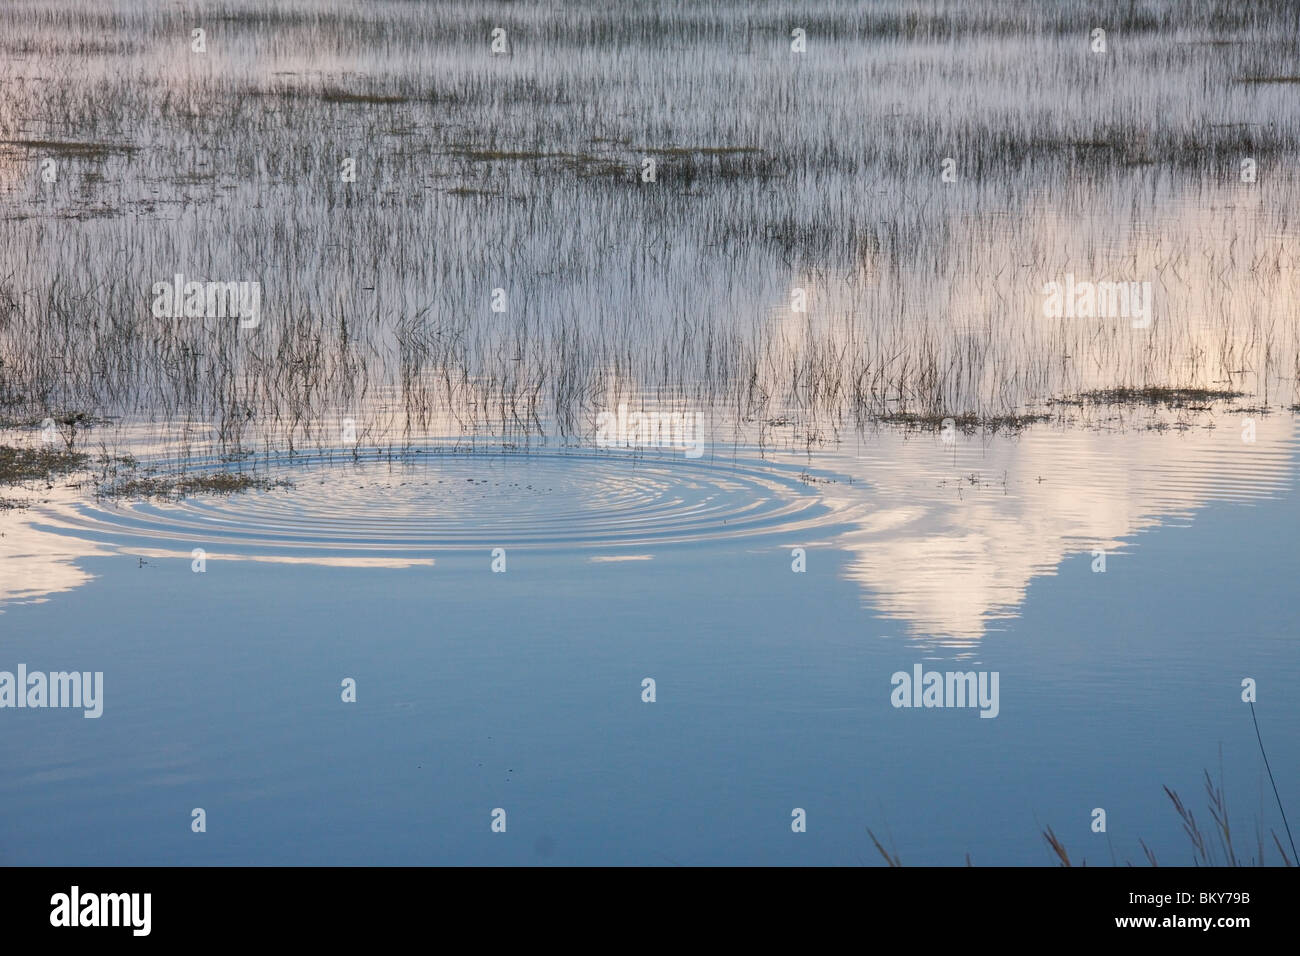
<point>522,690</point>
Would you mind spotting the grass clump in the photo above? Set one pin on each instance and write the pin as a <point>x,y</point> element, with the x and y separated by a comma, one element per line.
<point>118,477</point>
<point>18,465</point>
<point>176,487</point>
<point>967,422</point>
<point>1159,395</point>
<point>374,99</point>
<point>70,149</point>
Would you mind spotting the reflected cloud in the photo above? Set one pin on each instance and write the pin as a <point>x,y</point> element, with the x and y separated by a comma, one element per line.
<point>947,538</point>
<point>36,563</point>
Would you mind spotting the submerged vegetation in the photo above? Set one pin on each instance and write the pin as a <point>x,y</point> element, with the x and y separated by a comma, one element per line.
<point>18,465</point>
<point>967,422</point>
<point>1159,395</point>
<point>175,487</point>
<point>116,477</point>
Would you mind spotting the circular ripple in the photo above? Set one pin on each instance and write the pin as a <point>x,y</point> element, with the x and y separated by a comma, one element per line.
<point>429,501</point>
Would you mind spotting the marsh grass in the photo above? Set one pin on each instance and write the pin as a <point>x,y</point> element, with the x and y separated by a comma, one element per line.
<point>1215,848</point>
<point>1212,848</point>
<point>775,171</point>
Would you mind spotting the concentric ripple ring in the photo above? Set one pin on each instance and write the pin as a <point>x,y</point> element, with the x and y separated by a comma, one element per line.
<point>430,500</point>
